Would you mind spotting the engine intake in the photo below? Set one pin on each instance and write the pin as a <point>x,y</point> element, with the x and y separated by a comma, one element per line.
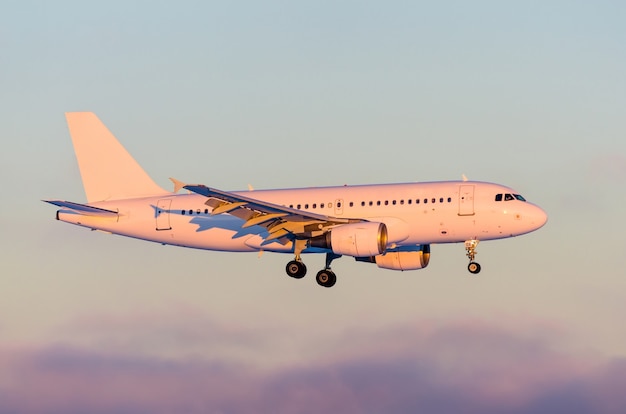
<point>356,239</point>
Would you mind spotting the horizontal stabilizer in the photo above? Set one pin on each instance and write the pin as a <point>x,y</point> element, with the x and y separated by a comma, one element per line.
<point>83,209</point>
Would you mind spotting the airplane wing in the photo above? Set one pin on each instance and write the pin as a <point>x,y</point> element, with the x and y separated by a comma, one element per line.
<point>282,223</point>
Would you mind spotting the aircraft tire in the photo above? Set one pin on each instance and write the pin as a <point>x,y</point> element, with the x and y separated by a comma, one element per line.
<point>326,278</point>
<point>296,269</point>
<point>474,268</point>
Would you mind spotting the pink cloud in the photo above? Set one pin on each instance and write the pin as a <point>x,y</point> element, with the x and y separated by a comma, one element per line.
<point>468,366</point>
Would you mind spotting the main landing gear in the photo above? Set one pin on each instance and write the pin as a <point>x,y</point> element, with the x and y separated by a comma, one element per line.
<point>296,269</point>
<point>327,277</point>
<point>324,277</point>
<point>470,247</point>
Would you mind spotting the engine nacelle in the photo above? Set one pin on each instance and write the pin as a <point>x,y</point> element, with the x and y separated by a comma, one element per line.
<point>404,260</point>
<point>355,239</point>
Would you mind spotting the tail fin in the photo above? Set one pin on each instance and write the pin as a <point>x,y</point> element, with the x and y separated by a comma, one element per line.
<point>108,171</point>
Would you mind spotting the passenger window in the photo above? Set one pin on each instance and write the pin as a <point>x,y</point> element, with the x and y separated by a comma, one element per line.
<point>393,202</point>
<point>441,200</point>
<point>498,197</point>
<point>198,211</point>
<point>339,205</point>
<point>321,205</point>
<point>378,203</point>
<point>449,199</point>
<point>425,201</point>
<point>434,200</point>
<point>386,202</point>
<point>417,201</point>
<point>190,211</point>
<point>182,212</point>
<point>351,204</point>
<point>299,206</point>
<point>206,211</point>
<point>410,201</point>
<point>371,203</point>
<point>401,202</point>
<point>362,203</point>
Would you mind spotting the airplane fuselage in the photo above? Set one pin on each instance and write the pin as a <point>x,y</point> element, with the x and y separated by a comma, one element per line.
<point>414,213</point>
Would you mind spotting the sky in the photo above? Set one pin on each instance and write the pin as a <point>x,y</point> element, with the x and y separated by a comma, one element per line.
<point>287,94</point>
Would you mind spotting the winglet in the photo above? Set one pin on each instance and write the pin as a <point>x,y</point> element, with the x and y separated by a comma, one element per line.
<point>178,185</point>
<point>464,177</point>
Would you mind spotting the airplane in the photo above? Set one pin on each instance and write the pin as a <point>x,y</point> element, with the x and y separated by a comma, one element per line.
<point>390,225</point>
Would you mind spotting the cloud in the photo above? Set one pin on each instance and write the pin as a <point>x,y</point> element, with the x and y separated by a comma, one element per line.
<point>467,366</point>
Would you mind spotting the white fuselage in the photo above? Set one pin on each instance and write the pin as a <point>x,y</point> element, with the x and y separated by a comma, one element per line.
<point>414,213</point>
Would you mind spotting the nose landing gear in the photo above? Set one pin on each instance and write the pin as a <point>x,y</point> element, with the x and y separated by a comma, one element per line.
<point>473,267</point>
<point>470,247</point>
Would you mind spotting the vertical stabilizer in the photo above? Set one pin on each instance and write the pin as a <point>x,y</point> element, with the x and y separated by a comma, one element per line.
<point>108,171</point>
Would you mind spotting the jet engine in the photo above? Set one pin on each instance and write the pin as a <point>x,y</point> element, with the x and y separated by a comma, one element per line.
<point>355,239</point>
<point>402,260</point>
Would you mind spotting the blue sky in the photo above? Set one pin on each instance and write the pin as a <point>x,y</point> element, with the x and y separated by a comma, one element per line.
<point>286,94</point>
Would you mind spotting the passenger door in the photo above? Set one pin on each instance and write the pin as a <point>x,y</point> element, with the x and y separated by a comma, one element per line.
<point>163,215</point>
<point>466,200</point>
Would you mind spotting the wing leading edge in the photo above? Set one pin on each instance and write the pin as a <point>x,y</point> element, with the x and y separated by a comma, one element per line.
<point>283,224</point>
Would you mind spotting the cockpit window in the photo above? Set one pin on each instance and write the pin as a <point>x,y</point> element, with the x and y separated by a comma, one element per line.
<point>509,197</point>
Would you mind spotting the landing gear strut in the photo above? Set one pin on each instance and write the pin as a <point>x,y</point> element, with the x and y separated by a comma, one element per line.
<point>296,267</point>
<point>470,247</point>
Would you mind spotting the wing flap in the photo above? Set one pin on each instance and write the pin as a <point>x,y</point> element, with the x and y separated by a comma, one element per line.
<point>226,207</point>
<point>262,218</point>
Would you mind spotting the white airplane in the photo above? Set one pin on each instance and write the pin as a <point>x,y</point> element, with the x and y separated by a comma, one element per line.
<point>391,225</point>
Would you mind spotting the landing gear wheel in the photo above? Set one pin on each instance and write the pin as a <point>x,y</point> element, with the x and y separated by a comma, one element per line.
<point>326,278</point>
<point>473,268</point>
<point>296,269</point>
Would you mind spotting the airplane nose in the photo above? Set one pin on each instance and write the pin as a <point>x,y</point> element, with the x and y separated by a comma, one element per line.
<point>538,217</point>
